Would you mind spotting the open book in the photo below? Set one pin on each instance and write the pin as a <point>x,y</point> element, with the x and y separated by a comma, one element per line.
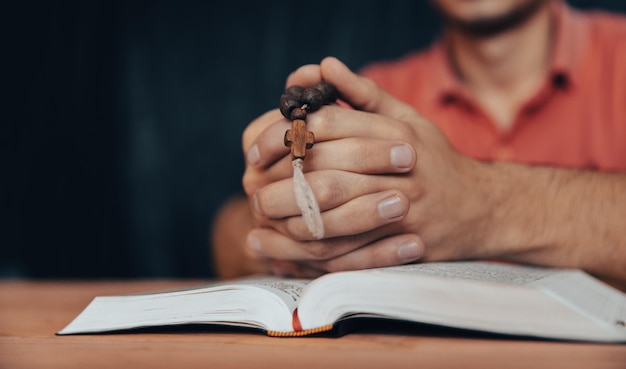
<point>482,296</point>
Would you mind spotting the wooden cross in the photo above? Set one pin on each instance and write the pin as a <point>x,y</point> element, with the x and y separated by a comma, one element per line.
<point>298,139</point>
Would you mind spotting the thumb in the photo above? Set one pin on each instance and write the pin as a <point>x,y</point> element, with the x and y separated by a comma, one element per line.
<point>362,93</point>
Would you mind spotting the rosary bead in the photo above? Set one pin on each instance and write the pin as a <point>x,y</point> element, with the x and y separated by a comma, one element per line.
<point>329,93</point>
<point>287,104</point>
<point>298,114</point>
<point>294,91</point>
<point>312,98</point>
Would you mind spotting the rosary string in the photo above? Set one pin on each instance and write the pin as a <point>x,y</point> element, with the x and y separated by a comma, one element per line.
<point>306,202</point>
<point>295,103</point>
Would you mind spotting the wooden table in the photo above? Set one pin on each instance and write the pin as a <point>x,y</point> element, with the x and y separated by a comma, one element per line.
<point>32,311</point>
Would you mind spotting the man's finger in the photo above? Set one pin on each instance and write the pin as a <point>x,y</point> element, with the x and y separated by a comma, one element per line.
<point>362,93</point>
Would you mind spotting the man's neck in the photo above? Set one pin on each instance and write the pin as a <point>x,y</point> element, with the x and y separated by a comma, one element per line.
<point>503,71</point>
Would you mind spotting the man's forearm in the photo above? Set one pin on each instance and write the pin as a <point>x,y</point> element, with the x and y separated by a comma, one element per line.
<point>561,218</point>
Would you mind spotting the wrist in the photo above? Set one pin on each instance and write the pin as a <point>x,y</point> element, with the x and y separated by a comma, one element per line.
<point>514,199</point>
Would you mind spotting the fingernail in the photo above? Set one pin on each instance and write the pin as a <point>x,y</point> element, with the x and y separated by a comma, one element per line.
<point>391,208</point>
<point>253,155</point>
<point>254,244</point>
<point>409,251</point>
<point>401,156</point>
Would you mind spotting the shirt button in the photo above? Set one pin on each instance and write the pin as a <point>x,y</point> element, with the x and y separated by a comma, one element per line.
<point>504,153</point>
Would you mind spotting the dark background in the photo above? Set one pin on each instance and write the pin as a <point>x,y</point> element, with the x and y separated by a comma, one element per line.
<point>121,121</point>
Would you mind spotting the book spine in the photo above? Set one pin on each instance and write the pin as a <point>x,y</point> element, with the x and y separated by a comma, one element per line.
<point>297,328</point>
<point>301,333</point>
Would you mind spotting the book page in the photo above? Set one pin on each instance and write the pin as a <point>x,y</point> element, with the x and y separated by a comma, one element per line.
<point>289,290</point>
<point>265,302</point>
<point>488,296</point>
<point>573,288</point>
<point>477,271</point>
<point>588,296</point>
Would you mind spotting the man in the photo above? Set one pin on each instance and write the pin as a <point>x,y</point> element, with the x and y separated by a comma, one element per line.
<point>530,167</point>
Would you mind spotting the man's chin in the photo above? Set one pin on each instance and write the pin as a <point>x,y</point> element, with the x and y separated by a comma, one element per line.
<point>492,26</point>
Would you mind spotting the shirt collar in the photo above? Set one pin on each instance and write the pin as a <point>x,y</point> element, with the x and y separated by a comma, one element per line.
<point>571,41</point>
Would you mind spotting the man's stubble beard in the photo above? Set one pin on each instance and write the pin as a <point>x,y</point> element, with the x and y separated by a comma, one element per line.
<point>487,27</point>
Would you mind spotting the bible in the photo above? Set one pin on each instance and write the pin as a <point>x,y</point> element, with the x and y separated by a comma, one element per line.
<point>482,296</point>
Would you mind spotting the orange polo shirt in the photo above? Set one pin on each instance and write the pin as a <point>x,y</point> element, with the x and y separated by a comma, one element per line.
<point>577,119</point>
